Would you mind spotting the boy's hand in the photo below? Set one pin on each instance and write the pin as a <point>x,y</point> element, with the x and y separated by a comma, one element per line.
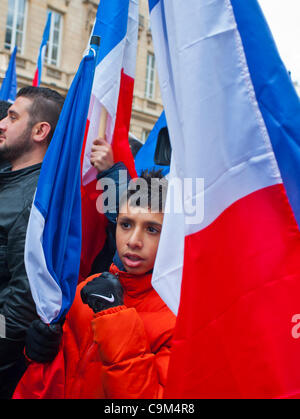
<point>102,292</point>
<point>102,157</point>
<point>42,341</point>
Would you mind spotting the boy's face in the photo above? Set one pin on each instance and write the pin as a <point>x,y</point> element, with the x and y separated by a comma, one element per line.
<point>137,238</point>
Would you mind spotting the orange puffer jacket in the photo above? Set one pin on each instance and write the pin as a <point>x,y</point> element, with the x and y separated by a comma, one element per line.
<point>122,352</point>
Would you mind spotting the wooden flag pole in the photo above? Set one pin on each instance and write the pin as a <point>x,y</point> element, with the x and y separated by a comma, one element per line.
<point>102,123</point>
<point>96,40</point>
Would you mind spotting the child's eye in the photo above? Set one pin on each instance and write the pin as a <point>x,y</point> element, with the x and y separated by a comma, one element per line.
<point>152,230</point>
<point>124,225</point>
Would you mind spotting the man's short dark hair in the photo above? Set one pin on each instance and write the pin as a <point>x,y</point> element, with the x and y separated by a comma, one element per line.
<point>4,106</point>
<point>149,191</point>
<point>46,105</point>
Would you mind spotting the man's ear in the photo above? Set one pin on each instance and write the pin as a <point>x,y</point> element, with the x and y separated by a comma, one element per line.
<point>40,131</point>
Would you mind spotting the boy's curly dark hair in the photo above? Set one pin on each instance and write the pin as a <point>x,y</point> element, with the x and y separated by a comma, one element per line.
<point>149,191</point>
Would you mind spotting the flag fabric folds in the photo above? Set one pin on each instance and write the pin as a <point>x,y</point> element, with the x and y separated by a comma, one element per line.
<point>117,25</point>
<point>52,262</point>
<point>53,240</point>
<point>38,73</point>
<point>233,277</point>
<point>8,89</point>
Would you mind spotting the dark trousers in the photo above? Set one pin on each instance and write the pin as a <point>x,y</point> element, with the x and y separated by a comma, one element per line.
<point>10,376</point>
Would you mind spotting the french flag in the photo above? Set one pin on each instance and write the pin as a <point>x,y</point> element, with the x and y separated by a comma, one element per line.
<point>8,89</point>
<point>112,94</point>
<point>38,73</point>
<point>53,239</point>
<point>233,277</point>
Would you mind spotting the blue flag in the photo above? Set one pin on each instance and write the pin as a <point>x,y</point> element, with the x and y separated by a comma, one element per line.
<point>42,52</point>
<point>145,158</point>
<point>8,89</point>
<point>53,241</point>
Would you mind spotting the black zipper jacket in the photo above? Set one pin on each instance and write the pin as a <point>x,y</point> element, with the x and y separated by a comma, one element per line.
<point>17,308</point>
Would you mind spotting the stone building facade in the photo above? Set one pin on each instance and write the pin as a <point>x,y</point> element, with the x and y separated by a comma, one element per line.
<point>22,22</point>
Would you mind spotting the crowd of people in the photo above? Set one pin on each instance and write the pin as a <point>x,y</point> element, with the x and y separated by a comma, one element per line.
<point>116,338</point>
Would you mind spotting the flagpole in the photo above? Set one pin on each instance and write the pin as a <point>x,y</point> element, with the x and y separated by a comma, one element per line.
<point>96,40</point>
<point>95,44</point>
<point>102,123</point>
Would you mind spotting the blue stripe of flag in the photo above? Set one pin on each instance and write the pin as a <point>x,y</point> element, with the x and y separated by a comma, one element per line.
<point>111,24</point>
<point>8,89</point>
<point>144,158</point>
<point>275,93</point>
<point>152,4</point>
<point>58,192</point>
<point>45,39</point>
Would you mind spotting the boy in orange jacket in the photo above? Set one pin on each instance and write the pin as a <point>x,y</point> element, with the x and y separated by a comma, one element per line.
<point>120,341</point>
<point>117,335</point>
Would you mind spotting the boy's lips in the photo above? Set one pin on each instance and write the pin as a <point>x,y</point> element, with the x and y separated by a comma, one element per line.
<point>132,260</point>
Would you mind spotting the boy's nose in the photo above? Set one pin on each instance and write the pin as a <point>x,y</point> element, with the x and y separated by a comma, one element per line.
<point>135,240</point>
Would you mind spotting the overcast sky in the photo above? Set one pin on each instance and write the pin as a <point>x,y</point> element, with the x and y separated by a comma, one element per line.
<point>283,17</point>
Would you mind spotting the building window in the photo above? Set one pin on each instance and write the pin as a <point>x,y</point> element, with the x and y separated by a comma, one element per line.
<point>145,135</point>
<point>150,77</point>
<point>15,25</point>
<point>53,47</point>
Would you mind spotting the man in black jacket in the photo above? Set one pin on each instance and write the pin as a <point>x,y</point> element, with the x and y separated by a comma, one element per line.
<point>24,138</point>
<point>4,105</point>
